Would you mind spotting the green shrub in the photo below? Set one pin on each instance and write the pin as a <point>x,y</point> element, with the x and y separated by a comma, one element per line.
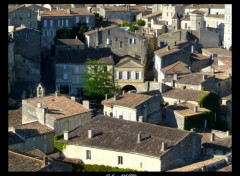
<point>58,145</point>
<point>141,22</point>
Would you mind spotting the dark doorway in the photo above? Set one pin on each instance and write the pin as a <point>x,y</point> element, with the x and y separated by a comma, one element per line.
<point>128,88</point>
<point>64,89</point>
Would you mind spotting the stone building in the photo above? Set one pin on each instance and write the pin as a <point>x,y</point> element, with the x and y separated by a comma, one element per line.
<point>123,144</point>
<point>126,13</point>
<point>69,44</point>
<point>27,64</point>
<point>185,22</point>
<point>198,61</point>
<point>31,135</point>
<point>206,8</point>
<point>149,17</point>
<point>227,40</point>
<point>177,114</point>
<point>71,67</point>
<point>21,15</point>
<point>120,41</point>
<point>34,161</point>
<point>52,21</point>
<point>216,52</point>
<point>166,56</point>
<point>196,20</point>
<point>134,107</point>
<point>129,71</point>
<point>57,112</point>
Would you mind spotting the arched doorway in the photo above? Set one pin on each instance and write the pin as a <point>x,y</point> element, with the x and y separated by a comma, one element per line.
<point>128,88</point>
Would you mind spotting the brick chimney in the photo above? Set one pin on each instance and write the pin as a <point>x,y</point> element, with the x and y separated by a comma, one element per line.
<point>86,104</point>
<point>66,135</point>
<point>164,146</point>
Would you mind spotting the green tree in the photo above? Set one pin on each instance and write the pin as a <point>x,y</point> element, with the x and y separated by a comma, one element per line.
<point>141,22</point>
<point>125,24</point>
<point>133,28</point>
<point>99,81</point>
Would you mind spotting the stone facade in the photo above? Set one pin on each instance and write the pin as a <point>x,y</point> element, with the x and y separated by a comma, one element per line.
<point>22,16</point>
<point>227,42</point>
<point>196,21</point>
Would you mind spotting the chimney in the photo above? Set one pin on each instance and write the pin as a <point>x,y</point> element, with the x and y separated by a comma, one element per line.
<point>106,96</point>
<point>193,130</point>
<point>175,76</point>
<point>204,77</point>
<point>57,93</point>
<point>192,5</point>
<point>127,6</point>
<point>39,105</point>
<point>195,108</point>
<point>213,70</point>
<point>212,137</point>
<point>164,146</point>
<point>86,104</point>
<point>76,37</point>
<point>227,133</point>
<point>123,92</point>
<point>175,104</point>
<point>173,83</point>
<point>66,135</point>
<point>189,68</point>
<point>90,133</point>
<point>139,138</point>
<point>68,11</point>
<point>142,60</point>
<point>115,97</point>
<point>175,43</point>
<point>45,160</point>
<point>140,118</point>
<point>192,49</point>
<point>73,98</point>
<point>168,48</point>
<point>38,12</point>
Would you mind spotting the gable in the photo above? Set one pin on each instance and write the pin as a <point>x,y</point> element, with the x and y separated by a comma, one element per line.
<point>129,64</point>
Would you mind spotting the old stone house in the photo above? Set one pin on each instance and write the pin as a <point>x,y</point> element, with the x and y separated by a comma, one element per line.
<point>126,13</point>
<point>185,22</point>
<point>69,44</point>
<point>27,64</point>
<point>196,20</point>
<point>71,66</point>
<point>177,114</point>
<point>166,56</point>
<point>56,111</point>
<point>206,8</point>
<point>129,71</point>
<point>149,17</point>
<point>134,107</point>
<point>198,61</point>
<point>123,144</point>
<point>34,161</point>
<point>52,21</point>
<point>20,15</point>
<point>31,135</point>
<point>216,52</point>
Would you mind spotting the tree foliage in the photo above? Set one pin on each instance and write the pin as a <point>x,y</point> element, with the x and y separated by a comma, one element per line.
<point>141,22</point>
<point>99,81</point>
<point>58,145</point>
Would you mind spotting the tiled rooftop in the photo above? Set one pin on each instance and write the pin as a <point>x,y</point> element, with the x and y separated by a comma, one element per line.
<point>73,42</point>
<point>15,118</point>
<point>197,12</point>
<point>186,18</point>
<point>123,8</point>
<point>219,51</point>
<point>216,15</point>
<point>151,15</point>
<point>121,135</point>
<point>73,12</point>
<point>130,100</point>
<point>186,109</point>
<point>197,56</point>
<point>193,78</point>
<point>184,94</point>
<point>224,143</point>
<point>164,51</point>
<point>58,106</point>
<point>177,67</point>
<point>200,6</point>
<point>32,129</point>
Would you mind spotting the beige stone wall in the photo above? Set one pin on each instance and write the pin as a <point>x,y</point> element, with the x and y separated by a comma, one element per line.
<point>130,160</point>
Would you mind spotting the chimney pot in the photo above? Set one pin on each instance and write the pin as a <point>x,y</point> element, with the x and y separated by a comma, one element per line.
<point>175,76</point>
<point>76,37</point>
<point>192,49</point>
<point>195,109</point>
<point>39,105</point>
<point>227,133</point>
<point>73,98</point>
<point>57,93</point>
<point>123,92</point>
<point>164,146</point>
<point>140,119</point>
<point>86,104</point>
<point>106,96</point>
<point>90,133</point>
<point>139,138</point>
<point>66,135</point>
<point>212,137</point>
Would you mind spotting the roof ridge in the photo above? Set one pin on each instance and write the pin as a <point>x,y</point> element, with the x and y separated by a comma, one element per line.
<point>25,156</point>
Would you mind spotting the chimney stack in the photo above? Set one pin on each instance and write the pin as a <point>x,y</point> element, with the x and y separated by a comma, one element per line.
<point>140,118</point>
<point>168,48</point>
<point>227,133</point>
<point>127,6</point>
<point>164,146</point>
<point>123,92</point>
<point>86,104</point>
<point>57,93</point>
<point>175,76</point>
<point>76,37</point>
<point>192,48</point>
<point>68,11</point>
<point>175,104</point>
<point>73,98</point>
<point>39,105</point>
<point>106,96</point>
<point>193,130</point>
<point>212,137</point>
<point>195,109</point>
<point>45,160</point>
<point>90,133</point>
<point>38,12</point>
<point>173,83</point>
<point>204,77</point>
<point>66,135</point>
<point>115,97</point>
<point>213,70</point>
<point>139,138</point>
<point>175,43</point>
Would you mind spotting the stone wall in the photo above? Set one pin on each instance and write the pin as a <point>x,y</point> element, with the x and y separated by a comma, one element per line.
<point>174,57</point>
<point>171,37</point>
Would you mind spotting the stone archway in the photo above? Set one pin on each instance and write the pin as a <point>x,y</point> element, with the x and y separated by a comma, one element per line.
<point>128,88</point>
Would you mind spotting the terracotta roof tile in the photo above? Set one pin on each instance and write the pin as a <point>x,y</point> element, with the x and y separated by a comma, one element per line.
<point>152,15</point>
<point>72,42</point>
<point>15,118</point>
<point>193,78</point>
<point>219,51</point>
<point>177,67</point>
<point>58,106</point>
<point>130,100</point>
<point>216,15</point>
<point>224,143</point>
<point>197,12</point>
<point>121,135</point>
<point>197,56</point>
<point>123,8</point>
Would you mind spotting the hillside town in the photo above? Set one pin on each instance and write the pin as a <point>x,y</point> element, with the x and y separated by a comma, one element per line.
<point>119,88</point>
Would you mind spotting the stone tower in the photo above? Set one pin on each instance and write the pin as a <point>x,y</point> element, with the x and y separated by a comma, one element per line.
<point>40,90</point>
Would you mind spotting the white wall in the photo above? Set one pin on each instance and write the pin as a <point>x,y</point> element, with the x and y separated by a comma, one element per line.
<point>110,158</point>
<point>157,66</point>
<point>183,24</point>
<point>126,113</point>
<point>219,11</point>
<point>228,26</point>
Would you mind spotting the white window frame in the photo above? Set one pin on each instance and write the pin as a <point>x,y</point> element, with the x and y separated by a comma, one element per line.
<point>65,76</point>
<point>128,74</point>
<point>133,75</point>
<point>120,75</point>
<point>66,22</point>
<point>137,75</point>
<point>51,23</point>
<point>87,19</point>
<point>77,19</point>
<point>45,23</point>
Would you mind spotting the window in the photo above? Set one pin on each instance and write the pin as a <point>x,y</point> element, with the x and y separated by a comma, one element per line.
<point>137,75</point>
<point>65,76</point>
<point>76,69</point>
<point>133,40</point>
<point>108,32</point>
<point>62,23</point>
<point>51,23</point>
<point>185,25</point>
<point>128,75</point>
<point>120,44</point>
<point>77,19</point>
<point>129,40</point>
<point>87,19</point>
<point>14,14</point>
<point>52,33</point>
<point>29,14</point>
<point>167,13</point>
<point>59,23</point>
<point>66,23</point>
<point>120,75</point>
<point>45,23</point>
<point>120,160</point>
<point>104,68</point>
<point>88,154</point>
<point>34,139</point>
